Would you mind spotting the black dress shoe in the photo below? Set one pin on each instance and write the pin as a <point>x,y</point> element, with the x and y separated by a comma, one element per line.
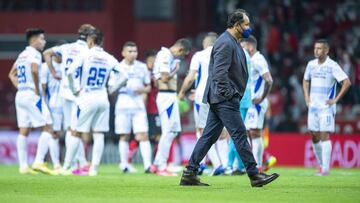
<point>189,178</point>
<point>261,179</point>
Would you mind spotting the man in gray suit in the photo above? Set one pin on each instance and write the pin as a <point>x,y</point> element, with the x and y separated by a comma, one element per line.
<point>225,87</point>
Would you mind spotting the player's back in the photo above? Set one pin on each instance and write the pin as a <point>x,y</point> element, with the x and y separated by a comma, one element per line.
<point>69,53</point>
<point>23,65</point>
<point>96,68</point>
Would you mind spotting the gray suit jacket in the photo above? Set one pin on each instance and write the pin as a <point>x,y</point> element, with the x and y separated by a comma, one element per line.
<point>228,73</point>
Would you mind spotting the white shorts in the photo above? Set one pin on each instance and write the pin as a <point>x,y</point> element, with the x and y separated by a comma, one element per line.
<point>125,120</point>
<point>31,111</point>
<point>201,112</point>
<point>321,120</point>
<point>57,117</point>
<point>69,113</point>
<point>255,115</point>
<point>92,112</point>
<point>169,113</point>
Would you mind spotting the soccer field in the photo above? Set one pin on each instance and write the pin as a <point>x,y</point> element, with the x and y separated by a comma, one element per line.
<point>294,185</point>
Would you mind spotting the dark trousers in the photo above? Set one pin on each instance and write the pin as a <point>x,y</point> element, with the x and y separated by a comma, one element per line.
<point>226,114</point>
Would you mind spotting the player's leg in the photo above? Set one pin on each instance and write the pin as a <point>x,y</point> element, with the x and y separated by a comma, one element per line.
<point>141,128</point>
<point>327,125</point>
<point>123,129</point>
<point>100,125</point>
<point>42,149</point>
<point>313,124</point>
<point>21,145</point>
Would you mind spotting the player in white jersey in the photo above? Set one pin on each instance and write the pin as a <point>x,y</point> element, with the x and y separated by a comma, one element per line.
<point>50,87</point>
<point>69,53</point>
<point>199,69</point>
<point>130,111</point>
<point>165,71</point>
<point>261,82</point>
<point>30,108</point>
<point>93,107</point>
<point>321,75</point>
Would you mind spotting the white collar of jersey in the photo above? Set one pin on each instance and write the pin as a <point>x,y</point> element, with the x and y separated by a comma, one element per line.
<point>325,62</point>
<point>31,48</point>
<point>96,48</point>
<point>82,42</point>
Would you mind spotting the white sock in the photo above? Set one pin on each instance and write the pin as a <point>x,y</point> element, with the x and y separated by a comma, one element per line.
<point>146,152</point>
<point>326,155</point>
<point>72,147</point>
<point>67,134</point>
<point>43,147</point>
<point>97,151</point>
<point>164,145</point>
<point>21,145</point>
<point>54,149</point>
<point>222,148</point>
<point>214,157</point>
<point>80,155</point>
<point>124,153</point>
<point>317,148</point>
<point>258,149</point>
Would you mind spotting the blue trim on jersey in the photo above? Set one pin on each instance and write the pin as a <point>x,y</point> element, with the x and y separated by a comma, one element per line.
<point>198,77</point>
<point>258,84</point>
<point>332,91</point>
<point>258,108</point>
<point>78,112</point>
<point>39,105</point>
<point>197,107</point>
<point>169,110</point>
<point>48,95</point>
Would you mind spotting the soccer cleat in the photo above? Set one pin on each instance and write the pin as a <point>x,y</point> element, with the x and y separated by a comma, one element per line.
<point>27,170</point>
<point>322,172</point>
<point>201,169</point>
<point>65,172</point>
<point>228,171</point>
<point>165,173</point>
<point>41,167</point>
<point>153,169</point>
<point>270,162</point>
<point>82,171</point>
<point>131,169</point>
<point>147,171</point>
<point>218,171</point>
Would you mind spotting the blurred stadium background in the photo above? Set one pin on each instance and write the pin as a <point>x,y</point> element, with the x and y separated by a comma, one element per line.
<point>285,29</point>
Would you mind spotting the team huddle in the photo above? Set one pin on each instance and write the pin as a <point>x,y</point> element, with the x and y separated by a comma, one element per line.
<point>69,92</point>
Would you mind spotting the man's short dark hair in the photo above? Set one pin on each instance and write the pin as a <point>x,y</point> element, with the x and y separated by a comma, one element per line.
<point>236,16</point>
<point>185,43</point>
<point>150,53</point>
<point>84,30</point>
<point>32,32</point>
<point>324,42</point>
<point>251,40</point>
<point>129,44</point>
<point>97,36</point>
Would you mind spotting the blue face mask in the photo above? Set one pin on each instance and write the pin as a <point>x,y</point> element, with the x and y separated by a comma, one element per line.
<point>246,33</point>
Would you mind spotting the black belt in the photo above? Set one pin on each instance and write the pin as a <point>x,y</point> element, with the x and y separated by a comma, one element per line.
<point>169,91</point>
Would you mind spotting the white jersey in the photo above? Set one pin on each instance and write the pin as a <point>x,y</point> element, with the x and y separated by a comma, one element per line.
<point>138,77</point>
<point>69,53</point>
<point>96,67</point>
<point>165,62</point>
<point>53,85</point>
<point>200,64</point>
<point>23,65</point>
<point>259,67</point>
<point>323,79</point>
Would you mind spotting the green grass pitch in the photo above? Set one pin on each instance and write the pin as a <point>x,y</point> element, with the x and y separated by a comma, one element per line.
<point>293,185</point>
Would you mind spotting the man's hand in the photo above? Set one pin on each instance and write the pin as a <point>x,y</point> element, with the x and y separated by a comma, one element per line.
<point>55,75</point>
<point>307,101</point>
<point>331,102</point>
<point>257,101</point>
<point>181,95</point>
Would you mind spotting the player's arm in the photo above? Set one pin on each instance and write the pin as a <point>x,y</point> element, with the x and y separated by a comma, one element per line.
<point>13,75</point>
<point>306,85</point>
<point>189,80</point>
<point>71,75</point>
<point>144,90</point>
<point>267,87</point>
<point>48,54</point>
<point>35,77</point>
<point>344,88</point>
<point>117,80</point>
<point>165,76</point>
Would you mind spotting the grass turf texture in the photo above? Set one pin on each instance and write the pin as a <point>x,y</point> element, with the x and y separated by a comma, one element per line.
<point>293,185</point>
